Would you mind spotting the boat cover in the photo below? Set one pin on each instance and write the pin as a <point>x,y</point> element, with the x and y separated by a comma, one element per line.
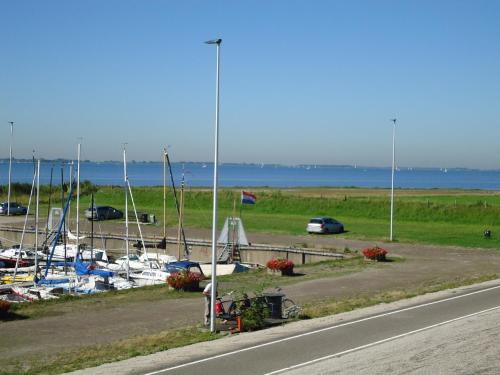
<point>83,268</point>
<point>52,281</point>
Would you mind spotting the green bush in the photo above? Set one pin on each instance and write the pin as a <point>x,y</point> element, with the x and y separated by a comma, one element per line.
<point>253,317</point>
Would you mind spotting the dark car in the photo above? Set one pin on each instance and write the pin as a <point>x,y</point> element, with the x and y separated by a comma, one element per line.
<point>15,209</point>
<point>103,213</point>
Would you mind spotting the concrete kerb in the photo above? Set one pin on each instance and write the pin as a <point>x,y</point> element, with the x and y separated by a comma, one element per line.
<point>172,357</point>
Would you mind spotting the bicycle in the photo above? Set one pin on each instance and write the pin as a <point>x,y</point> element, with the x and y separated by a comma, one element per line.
<point>289,309</point>
<point>229,309</point>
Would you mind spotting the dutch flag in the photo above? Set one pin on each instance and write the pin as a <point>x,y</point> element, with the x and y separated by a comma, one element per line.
<point>247,198</point>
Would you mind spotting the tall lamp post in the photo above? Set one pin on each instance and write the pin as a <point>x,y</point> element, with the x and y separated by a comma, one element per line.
<point>392,176</point>
<point>10,165</point>
<point>217,42</point>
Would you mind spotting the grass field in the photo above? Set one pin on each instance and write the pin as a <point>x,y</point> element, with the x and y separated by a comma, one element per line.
<point>432,216</point>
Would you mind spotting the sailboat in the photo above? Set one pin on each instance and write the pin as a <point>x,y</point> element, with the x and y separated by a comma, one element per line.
<point>151,262</point>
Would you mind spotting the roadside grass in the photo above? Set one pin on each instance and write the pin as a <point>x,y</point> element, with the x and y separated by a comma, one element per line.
<point>91,356</point>
<point>95,302</point>
<point>260,279</point>
<point>71,360</point>
<point>333,306</point>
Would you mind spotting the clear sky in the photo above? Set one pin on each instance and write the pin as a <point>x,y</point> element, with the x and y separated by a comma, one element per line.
<point>312,82</point>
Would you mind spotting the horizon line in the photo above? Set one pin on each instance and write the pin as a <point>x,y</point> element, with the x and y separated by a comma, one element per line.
<point>292,165</point>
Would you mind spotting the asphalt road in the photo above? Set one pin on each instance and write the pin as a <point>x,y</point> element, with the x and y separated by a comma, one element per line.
<point>340,339</point>
<point>369,341</point>
<point>466,346</point>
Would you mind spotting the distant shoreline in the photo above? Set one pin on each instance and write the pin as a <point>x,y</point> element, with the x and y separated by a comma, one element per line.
<point>279,165</point>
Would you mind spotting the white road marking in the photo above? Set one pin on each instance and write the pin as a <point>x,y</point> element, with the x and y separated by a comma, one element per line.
<point>377,342</point>
<point>327,329</point>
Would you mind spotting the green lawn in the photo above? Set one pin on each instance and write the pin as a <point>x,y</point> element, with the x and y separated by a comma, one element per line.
<point>433,216</point>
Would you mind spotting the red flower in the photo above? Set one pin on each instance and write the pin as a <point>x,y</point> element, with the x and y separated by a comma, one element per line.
<point>183,280</point>
<point>375,253</point>
<point>279,264</point>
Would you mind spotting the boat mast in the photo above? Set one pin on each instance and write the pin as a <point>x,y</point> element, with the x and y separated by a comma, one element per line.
<point>64,224</point>
<point>37,216</point>
<point>126,207</point>
<point>50,203</point>
<point>10,165</point>
<point>165,196</point>
<point>92,231</point>
<point>24,228</point>
<point>234,240</point>
<point>186,251</point>
<point>78,203</point>
<point>58,233</point>
<point>137,220</point>
<point>181,218</point>
<point>70,180</point>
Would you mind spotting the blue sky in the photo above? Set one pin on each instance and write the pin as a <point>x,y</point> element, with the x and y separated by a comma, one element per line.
<point>301,81</point>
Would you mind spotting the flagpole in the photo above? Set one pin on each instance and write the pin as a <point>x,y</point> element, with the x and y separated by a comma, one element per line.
<point>241,205</point>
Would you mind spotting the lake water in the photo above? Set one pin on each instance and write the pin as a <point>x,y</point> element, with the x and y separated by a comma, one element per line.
<point>248,175</point>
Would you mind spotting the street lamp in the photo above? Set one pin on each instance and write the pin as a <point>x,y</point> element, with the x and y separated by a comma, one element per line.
<point>392,177</point>
<point>10,165</point>
<point>214,217</point>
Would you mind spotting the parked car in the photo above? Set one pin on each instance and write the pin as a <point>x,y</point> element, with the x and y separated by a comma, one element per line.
<point>324,225</point>
<point>103,213</point>
<point>15,208</point>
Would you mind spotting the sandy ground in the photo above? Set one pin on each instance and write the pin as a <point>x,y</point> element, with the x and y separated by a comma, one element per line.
<point>422,265</point>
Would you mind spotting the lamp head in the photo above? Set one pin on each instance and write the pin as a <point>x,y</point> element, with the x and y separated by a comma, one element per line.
<point>214,41</point>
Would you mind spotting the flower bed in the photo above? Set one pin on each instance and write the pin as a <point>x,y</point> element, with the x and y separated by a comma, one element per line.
<point>375,253</point>
<point>4,308</point>
<point>185,280</point>
<point>280,265</point>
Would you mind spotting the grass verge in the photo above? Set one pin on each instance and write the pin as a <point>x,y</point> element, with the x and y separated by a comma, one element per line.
<point>95,302</point>
<point>431,216</point>
<point>334,306</point>
<point>80,358</point>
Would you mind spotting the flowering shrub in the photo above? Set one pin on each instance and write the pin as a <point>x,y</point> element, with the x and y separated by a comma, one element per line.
<point>375,253</point>
<point>280,264</point>
<point>184,280</point>
<point>4,306</point>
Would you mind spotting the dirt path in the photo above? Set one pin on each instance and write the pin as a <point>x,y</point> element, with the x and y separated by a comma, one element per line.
<point>423,264</point>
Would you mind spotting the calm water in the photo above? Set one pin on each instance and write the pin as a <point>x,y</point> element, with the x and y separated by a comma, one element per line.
<point>199,174</point>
